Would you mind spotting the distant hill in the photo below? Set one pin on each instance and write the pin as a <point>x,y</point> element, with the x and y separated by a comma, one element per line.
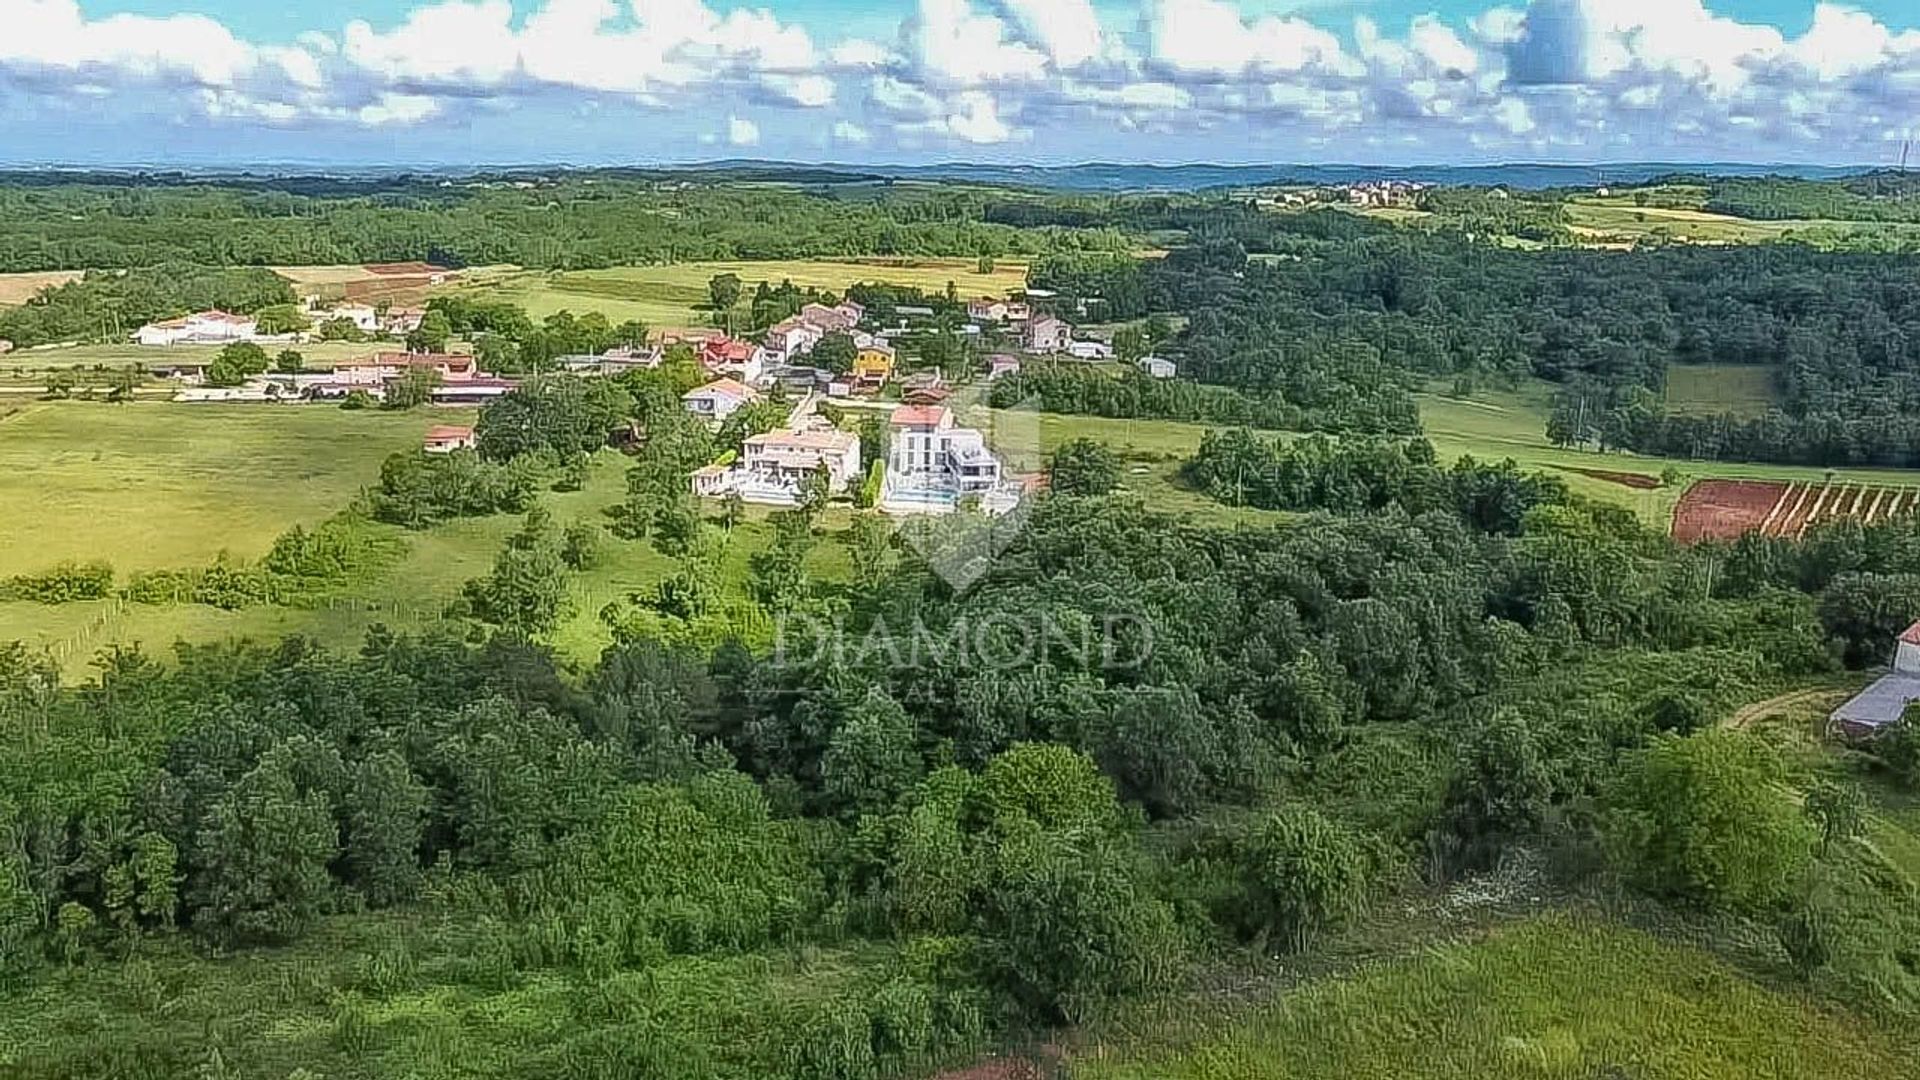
<point>1090,177</point>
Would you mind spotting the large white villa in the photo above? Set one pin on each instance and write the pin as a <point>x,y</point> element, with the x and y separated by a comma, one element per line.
<point>934,465</point>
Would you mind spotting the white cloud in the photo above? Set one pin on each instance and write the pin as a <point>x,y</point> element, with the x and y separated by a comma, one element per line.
<point>951,43</point>
<point>1627,77</point>
<point>1068,31</point>
<point>1210,37</point>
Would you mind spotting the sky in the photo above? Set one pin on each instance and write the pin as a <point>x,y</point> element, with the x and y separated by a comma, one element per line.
<point>1391,82</point>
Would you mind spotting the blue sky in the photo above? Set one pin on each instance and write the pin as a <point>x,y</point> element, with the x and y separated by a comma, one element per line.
<point>412,82</point>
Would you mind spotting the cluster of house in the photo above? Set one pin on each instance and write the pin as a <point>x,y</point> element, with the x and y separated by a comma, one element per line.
<point>933,466</point>
<point>460,382</point>
<point>217,327</point>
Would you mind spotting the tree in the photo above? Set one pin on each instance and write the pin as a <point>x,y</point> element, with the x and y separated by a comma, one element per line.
<point>526,591</point>
<point>1083,467</point>
<point>413,388</point>
<point>277,319</point>
<point>236,363</point>
<point>1130,344</point>
<point>835,352</point>
<point>873,757</point>
<point>984,266</point>
<point>289,362</point>
<point>260,866</point>
<point>723,292</point>
<point>1501,788</point>
<point>386,811</point>
<point>582,545</point>
<point>1709,819</point>
<point>342,330</point>
<point>433,333</point>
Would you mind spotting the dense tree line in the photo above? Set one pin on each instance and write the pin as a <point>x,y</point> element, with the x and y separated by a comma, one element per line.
<point>1360,476</point>
<point>577,222</point>
<point>1322,397</point>
<point>1875,196</point>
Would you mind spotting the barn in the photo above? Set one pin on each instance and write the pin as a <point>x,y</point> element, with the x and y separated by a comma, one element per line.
<point>1881,705</point>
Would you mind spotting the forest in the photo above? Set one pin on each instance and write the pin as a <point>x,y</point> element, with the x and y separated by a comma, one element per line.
<point>576,222</point>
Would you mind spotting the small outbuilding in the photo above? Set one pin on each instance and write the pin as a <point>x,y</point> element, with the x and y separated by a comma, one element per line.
<point>1883,704</point>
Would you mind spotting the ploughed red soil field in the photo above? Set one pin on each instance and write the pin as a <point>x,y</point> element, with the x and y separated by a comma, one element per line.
<point>1730,509</point>
<point>1636,481</point>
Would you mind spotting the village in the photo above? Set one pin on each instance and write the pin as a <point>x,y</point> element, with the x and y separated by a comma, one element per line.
<point>932,463</point>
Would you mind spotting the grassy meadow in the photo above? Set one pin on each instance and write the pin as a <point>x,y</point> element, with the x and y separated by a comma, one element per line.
<point>1556,998</point>
<point>147,486</point>
<point>1708,389</point>
<point>319,354</point>
<point>674,296</point>
<point>1618,219</point>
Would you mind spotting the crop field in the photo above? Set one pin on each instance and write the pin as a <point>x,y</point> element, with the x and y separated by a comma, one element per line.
<point>397,283</point>
<point>1744,390</point>
<point>1729,509</point>
<point>1557,998</point>
<point>674,297</point>
<point>147,486</point>
<point>20,288</point>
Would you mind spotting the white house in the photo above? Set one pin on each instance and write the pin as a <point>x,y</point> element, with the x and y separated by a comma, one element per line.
<point>1047,334</point>
<point>793,338</point>
<point>719,399</point>
<point>790,457</point>
<point>1090,350</point>
<point>932,465</point>
<point>202,328</point>
<point>1159,367</point>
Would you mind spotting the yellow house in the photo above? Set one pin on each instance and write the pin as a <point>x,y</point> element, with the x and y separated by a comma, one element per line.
<point>872,367</point>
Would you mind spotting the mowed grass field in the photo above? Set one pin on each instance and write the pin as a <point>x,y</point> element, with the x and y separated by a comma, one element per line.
<point>1708,389</point>
<point>319,354</point>
<point>1557,998</point>
<point>145,486</point>
<point>674,297</point>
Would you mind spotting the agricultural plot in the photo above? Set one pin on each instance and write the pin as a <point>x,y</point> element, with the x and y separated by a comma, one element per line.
<point>20,288</point>
<point>1730,509</point>
<point>674,297</point>
<point>393,283</point>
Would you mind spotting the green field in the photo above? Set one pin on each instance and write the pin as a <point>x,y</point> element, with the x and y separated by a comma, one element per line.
<point>159,485</point>
<point>1616,219</point>
<point>318,354</point>
<point>169,486</point>
<point>1708,389</point>
<point>674,297</point>
<point>1554,999</point>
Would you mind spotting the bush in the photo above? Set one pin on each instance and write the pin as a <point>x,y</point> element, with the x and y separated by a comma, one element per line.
<point>1300,873</point>
<point>1710,820</point>
<point>64,584</point>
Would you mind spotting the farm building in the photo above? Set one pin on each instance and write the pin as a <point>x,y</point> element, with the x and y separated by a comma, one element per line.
<point>1885,702</point>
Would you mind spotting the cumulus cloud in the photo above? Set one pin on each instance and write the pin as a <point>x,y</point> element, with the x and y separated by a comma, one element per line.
<point>1620,77</point>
